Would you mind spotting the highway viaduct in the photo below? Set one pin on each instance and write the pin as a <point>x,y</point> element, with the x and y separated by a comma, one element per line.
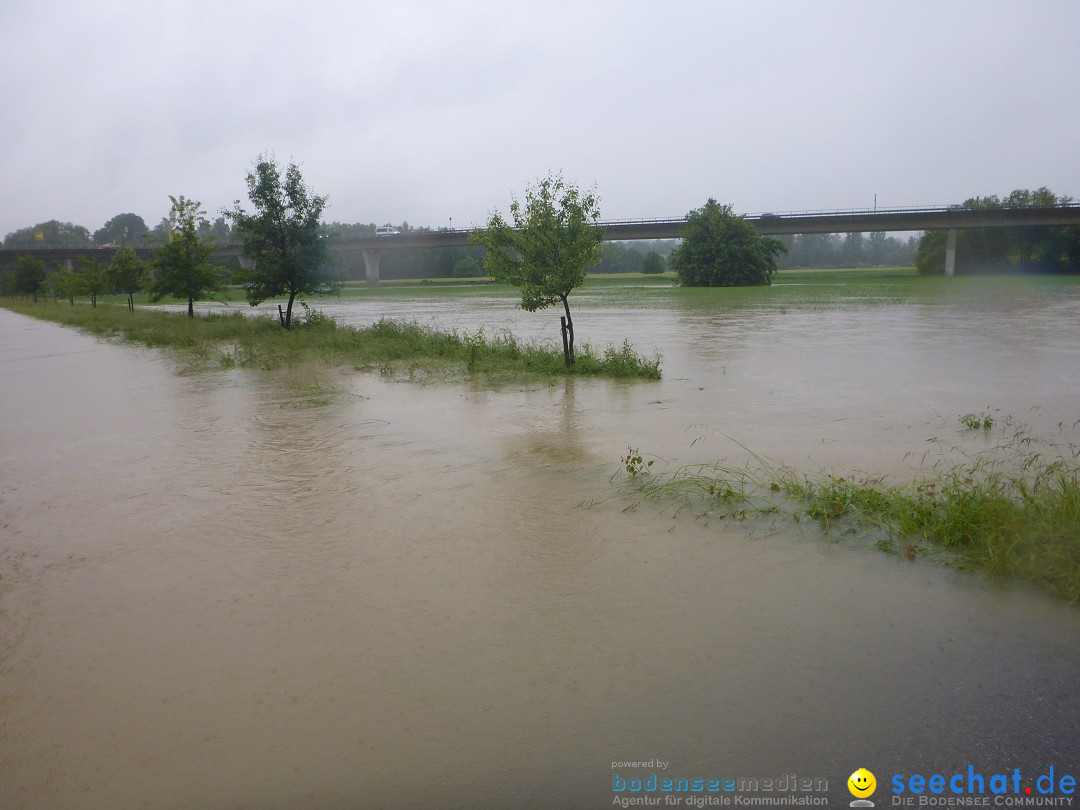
<point>951,219</point>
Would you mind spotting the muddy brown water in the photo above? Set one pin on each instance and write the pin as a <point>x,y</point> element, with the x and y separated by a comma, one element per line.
<point>317,589</point>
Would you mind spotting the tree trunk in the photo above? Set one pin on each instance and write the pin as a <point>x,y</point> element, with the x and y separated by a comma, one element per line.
<point>568,334</point>
<point>288,311</point>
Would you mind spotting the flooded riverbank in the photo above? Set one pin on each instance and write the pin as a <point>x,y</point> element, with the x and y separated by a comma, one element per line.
<point>215,594</point>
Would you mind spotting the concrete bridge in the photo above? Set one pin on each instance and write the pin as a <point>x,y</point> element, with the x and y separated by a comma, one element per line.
<point>849,221</point>
<point>950,218</point>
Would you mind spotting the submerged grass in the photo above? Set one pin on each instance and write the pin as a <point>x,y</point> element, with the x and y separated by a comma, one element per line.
<point>1018,527</point>
<point>1012,511</point>
<point>395,348</point>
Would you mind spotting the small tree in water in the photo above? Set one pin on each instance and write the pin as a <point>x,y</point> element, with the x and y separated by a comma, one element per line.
<point>182,263</point>
<point>721,249</point>
<point>553,240</point>
<point>283,237</point>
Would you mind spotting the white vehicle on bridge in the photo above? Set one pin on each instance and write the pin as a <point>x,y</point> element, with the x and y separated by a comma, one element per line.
<point>386,230</point>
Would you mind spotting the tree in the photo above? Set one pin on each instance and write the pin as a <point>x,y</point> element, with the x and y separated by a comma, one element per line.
<point>92,278</point>
<point>182,262</point>
<point>854,250</point>
<point>51,234</point>
<point>619,257</point>
<point>128,273</point>
<point>219,230</point>
<point>123,229</point>
<point>652,263</point>
<point>721,249</point>
<point>1044,249</point>
<point>29,275</point>
<point>283,237</point>
<point>877,248</point>
<point>554,239</point>
<point>468,267</point>
<point>67,284</point>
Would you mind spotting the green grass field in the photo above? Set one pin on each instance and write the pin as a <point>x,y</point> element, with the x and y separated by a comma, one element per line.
<point>833,279</point>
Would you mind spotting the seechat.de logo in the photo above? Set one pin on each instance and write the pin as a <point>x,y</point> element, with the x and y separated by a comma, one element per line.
<point>861,784</point>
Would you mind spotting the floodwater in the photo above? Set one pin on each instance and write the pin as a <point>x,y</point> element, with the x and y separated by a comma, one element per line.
<point>319,589</point>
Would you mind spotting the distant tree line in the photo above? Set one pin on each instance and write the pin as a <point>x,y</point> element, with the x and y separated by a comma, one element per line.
<point>1024,249</point>
<point>846,250</point>
<point>283,238</point>
<point>1005,250</point>
<point>126,274</point>
<point>87,277</point>
<point>444,262</point>
<point>644,256</point>
<point>123,230</point>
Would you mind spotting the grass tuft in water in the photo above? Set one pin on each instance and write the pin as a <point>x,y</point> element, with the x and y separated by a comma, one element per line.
<point>977,421</point>
<point>1013,511</point>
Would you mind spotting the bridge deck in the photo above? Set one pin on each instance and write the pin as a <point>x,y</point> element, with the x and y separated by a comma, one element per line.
<point>857,221</point>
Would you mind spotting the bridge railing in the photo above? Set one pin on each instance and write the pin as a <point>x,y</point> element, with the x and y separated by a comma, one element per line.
<point>835,212</point>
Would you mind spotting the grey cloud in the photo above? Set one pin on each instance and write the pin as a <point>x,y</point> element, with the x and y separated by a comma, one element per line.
<point>427,110</point>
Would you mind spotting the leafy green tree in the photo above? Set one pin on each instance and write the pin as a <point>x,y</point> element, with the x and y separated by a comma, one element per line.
<point>721,249</point>
<point>930,255</point>
<point>93,279</point>
<point>29,275</point>
<point>818,249</point>
<point>351,230</point>
<point>123,229</point>
<point>877,248</point>
<point>1044,249</point>
<point>182,262</point>
<point>554,239</point>
<point>160,232</point>
<point>468,267</point>
<point>1031,242</point>
<point>67,284</point>
<point>51,234</point>
<point>127,273</point>
<point>283,237</point>
<point>616,257</point>
<point>652,263</point>
<point>219,230</point>
<point>854,250</point>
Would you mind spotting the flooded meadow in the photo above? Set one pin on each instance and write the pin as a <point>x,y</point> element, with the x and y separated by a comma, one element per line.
<point>316,588</point>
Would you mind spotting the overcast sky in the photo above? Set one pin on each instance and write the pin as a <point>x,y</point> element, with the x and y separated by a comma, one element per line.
<point>423,111</point>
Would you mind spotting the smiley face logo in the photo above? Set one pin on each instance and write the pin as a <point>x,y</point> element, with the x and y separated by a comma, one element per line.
<point>861,783</point>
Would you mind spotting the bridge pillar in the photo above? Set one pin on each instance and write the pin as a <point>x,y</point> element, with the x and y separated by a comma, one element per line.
<point>950,253</point>
<point>371,265</point>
